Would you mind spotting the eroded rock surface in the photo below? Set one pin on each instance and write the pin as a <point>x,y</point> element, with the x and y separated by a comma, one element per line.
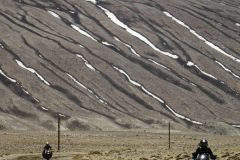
<point>110,65</point>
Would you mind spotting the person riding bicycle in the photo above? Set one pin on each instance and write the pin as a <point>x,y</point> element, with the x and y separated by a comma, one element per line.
<point>203,149</point>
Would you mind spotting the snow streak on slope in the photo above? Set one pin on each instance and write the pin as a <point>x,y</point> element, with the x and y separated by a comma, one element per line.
<point>228,70</point>
<point>82,32</point>
<point>86,62</point>
<point>135,83</point>
<point>237,126</point>
<point>1,45</point>
<point>135,53</point>
<point>86,88</point>
<point>45,108</point>
<point>54,14</point>
<point>109,44</point>
<point>190,64</point>
<point>128,46</point>
<point>201,37</point>
<point>80,84</point>
<point>74,26</point>
<point>115,20</point>
<point>159,64</point>
<point>32,71</point>
<point>93,1</point>
<point>80,46</point>
<point>18,86</point>
<point>12,80</point>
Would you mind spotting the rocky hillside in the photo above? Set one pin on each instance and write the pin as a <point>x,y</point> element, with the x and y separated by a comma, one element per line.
<point>112,65</point>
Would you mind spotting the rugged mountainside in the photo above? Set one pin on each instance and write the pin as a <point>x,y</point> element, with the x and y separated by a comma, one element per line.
<point>113,65</point>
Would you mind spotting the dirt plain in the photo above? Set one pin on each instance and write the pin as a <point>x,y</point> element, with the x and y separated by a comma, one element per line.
<point>68,57</point>
<point>125,145</point>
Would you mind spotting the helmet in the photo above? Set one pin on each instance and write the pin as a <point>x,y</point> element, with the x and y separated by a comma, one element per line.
<point>47,143</point>
<point>203,143</point>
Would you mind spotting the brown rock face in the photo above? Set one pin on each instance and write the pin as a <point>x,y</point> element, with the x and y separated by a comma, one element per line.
<point>113,65</point>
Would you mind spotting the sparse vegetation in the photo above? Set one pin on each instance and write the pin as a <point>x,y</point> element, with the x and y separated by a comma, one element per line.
<point>114,145</point>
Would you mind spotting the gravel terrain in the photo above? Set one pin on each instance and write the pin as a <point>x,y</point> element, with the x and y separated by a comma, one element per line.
<point>134,145</point>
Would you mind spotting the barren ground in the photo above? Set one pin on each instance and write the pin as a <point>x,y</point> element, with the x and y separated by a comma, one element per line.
<point>180,62</point>
<point>135,145</point>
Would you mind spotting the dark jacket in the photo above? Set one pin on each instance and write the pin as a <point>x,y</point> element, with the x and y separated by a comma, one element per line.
<point>202,150</point>
<point>47,147</point>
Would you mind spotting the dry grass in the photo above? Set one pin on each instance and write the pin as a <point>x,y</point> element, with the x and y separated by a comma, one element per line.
<point>114,146</point>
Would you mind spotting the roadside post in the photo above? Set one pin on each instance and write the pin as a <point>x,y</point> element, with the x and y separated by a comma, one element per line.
<point>169,135</point>
<point>58,132</point>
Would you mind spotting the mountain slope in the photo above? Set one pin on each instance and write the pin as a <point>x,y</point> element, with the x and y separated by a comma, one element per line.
<point>118,64</point>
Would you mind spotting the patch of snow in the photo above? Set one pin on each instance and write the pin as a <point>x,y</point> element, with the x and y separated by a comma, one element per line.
<point>36,99</point>
<point>92,1</point>
<point>128,77</point>
<point>107,44</point>
<point>1,45</point>
<point>115,20</point>
<point>86,62</point>
<point>82,32</point>
<point>44,108</point>
<point>24,90</point>
<point>80,84</point>
<point>14,81</point>
<point>101,100</point>
<point>32,71</point>
<point>154,96</point>
<point>190,64</point>
<point>237,126</point>
<point>201,37</point>
<point>237,24</point>
<point>61,115</point>
<point>128,46</point>
<point>228,70</point>
<point>205,73</point>
<point>54,14</point>
<point>159,64</point>
<point>89,90</point>
<point>193,84</point>
<point>11,79</point>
